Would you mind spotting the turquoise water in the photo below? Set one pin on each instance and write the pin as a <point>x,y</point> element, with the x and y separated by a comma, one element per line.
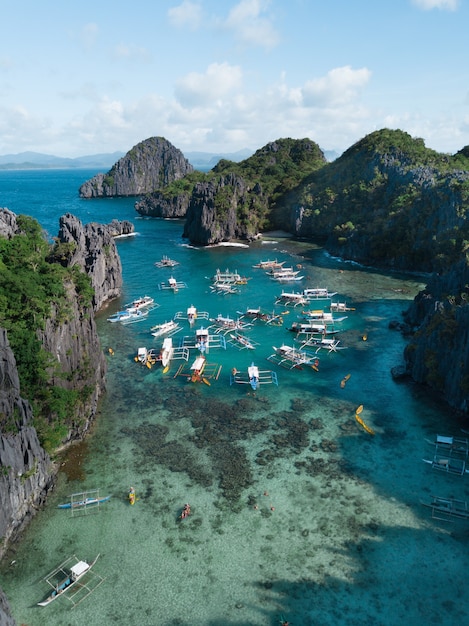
<point>297,512</point>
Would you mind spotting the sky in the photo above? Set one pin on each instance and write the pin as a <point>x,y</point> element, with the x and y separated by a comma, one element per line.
<point>89,77</point>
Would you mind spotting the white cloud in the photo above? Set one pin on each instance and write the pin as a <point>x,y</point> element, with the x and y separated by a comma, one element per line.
<point>219,81</point>
<point>88,35</point>
<point>131,53</point>
<point>427,5</point>
<point>248,24</point>
<point>337,88</point>
<point>187,14</point>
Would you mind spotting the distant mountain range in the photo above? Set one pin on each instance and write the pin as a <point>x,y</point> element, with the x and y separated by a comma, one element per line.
<point>36,160</point>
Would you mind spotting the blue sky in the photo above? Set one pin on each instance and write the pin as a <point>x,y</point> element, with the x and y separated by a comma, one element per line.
<point>88,77</point>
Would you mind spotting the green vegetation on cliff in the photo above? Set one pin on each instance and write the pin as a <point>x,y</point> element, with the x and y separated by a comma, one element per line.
<point>30,286</point>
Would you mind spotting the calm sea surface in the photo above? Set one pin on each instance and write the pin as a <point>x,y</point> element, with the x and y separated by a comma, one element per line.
<point>298,513</point>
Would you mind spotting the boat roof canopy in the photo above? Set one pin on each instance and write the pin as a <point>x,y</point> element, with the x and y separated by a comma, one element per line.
<point>80,568</point>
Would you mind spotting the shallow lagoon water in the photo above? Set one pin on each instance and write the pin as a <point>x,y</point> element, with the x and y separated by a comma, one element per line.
<point>297,512</point>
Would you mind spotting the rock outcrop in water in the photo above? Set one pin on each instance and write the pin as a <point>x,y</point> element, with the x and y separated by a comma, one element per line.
<point>437,354</point>
<point>148,166</point>
<point>94,250</point>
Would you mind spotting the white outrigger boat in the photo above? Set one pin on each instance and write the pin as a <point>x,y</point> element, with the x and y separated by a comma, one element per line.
<point>326,317</point>
<point>269,265</point>
<point>191,315</point>
<point>203,341</point>
<point>242,342</point>
<point>166,328</point>
<point>66,577</point>
<point>285,275</point>
<point>229,278</point>
<point>254,377</point>
<point>310,328</point>
<point>227,324</point>
<point>458,445</point>
<point>169,353</point>
<point>320,343</point>
<point>291,299</point>
<point>223,289</point>
<point>141,303</point>
<point>173,284</point>
<point>262,316</point>
<point>290,358</point>
<point>128,316</point>
<point>318,293</point>
<point>340,307</point>
<point>147,357</point>
<point>166,262</point>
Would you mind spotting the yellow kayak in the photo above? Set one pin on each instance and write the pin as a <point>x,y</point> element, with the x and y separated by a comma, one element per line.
<point>365,426</point>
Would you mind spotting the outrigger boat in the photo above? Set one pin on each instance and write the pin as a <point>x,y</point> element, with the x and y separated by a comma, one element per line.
<point>200,371</point>
<point>191,315</point>
<point>173,284</point>
<point>285,275</point>
<point>166,262</point>
<point>325,317</point>
<point>147,357</point>
<point>311,328</point>
<point>229,278</point>
<point>321,343</point>
<point>65,577</point>
<point>128,316</point>
<point>166,328</point>
<point>447,509</point>
<point>257,314</point>
<point>203,341</point>
<point>290,358</point>
<point>254,377</point>
<point>169,353</point>
<point>269,265</point>
<point>457,445</point>
<point>227,324</point>
<point>242,342</point>
<point>318,293</point>
<point>223,289</point>
<point>291,299</point>
<point>140,303</point>
<point>83,503</point>
<point>340,307</point>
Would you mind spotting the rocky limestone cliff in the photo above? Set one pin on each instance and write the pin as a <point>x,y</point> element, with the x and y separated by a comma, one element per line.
<point>157,204</point>
<point>70,337</point>
<point>223,210</point>
<point>437,354</point>
<point>26,472</point>
<point>96,253</point>
<point>147,167</point>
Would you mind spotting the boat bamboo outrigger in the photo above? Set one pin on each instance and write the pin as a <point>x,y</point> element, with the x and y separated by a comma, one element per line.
<point>129,316</point>
<point>318,293</point>
<point>291,299</point>
<point>320,342</point>
<point>203,341</point>
<point>166,328</point>
<point>456,445</point>
<point>191,315</point>
<point>84,502</point>
<point>229,278</point>
<point>141,303</point>
<point>169,353</point>
<point>242,342</point>
<point>200,371</point>
<point>261,316</point>
<point>166,262</point>
<point>147,357</point>
<point>290,358</point>
<point>67,581</point>
<point>254,377</point>
<point>447,509</point>
<point>269,265</point>
<point>172,284</point>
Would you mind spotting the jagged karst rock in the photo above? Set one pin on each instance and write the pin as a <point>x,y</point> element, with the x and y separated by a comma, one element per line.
<point>8,226</point>
<point>437,354</point>
<point>210,221</point>
<point>96,253</point>
<point>156,204</point>
<point>148,166</point>
<point>26,469</point>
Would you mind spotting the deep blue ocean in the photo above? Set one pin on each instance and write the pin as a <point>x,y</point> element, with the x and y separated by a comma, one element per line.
<point>298,513</point>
